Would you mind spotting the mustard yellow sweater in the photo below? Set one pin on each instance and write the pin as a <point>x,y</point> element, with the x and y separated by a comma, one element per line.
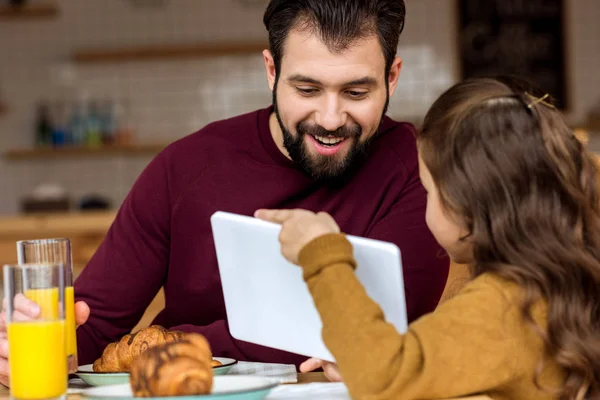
<point>474,343</point>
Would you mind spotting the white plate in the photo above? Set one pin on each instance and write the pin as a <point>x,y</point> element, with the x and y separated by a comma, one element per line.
<point>233,387</point>
<point>87,374</point>
<point>227,364</point>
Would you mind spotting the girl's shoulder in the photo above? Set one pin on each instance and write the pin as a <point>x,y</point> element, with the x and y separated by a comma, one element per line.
<point>501,290</point>
<point>494,281</point>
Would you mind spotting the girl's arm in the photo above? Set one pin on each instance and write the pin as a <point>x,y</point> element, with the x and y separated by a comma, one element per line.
<point>471,344</point>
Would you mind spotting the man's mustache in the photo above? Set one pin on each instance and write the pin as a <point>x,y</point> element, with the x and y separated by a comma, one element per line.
<point>343,132</point>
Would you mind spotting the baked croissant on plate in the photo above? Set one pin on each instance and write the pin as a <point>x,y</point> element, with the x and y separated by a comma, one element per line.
<point>118,356</point>
<point>173,369</point>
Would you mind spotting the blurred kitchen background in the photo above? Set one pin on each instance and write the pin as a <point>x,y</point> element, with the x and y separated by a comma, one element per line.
<point>91,90</point>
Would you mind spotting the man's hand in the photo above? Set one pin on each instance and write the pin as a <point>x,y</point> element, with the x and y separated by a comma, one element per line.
<point>27,310</point>
<point>330,369</point>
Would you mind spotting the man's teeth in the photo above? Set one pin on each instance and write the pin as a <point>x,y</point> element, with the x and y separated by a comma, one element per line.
<point>329,140</point>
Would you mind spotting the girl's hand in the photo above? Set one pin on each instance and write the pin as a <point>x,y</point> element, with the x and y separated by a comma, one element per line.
<point>298,228</point>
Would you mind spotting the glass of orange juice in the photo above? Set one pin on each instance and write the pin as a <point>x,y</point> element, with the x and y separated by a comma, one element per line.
<point>36,348</point>
<point>51,251</point>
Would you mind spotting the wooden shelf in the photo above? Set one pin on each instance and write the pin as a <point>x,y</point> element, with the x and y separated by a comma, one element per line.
<point>59,152</point>
<point>28,11</point>
<point>167,52</point>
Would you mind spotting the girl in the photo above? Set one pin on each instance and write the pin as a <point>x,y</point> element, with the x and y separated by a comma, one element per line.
<point>512,193</point>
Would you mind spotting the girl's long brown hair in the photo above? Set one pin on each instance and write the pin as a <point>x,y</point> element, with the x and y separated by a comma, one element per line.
<point>526,189</point>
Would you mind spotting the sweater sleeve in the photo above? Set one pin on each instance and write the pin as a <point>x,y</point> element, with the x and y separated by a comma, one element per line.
<point>468,336</point>
<point>130,265</point>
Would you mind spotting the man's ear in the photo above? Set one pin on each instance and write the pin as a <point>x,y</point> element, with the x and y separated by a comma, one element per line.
<point>270,69</point>
<point>394,75</point>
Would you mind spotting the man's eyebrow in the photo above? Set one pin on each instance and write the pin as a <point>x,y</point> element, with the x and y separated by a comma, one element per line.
<point>367,80</point>
<point>304,79</point>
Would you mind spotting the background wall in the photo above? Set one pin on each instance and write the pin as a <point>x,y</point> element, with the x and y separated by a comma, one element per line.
<point>170,99</point>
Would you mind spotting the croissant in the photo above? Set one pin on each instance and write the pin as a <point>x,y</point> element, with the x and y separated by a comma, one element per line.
<point>118,356</point>
<point>173,369</point>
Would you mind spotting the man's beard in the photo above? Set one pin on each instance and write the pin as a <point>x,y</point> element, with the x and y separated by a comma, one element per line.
<point>319,167</point>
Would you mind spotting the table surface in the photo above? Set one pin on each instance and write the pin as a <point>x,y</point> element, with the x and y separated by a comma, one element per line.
<point>320,377</point>
<point>302,378</point>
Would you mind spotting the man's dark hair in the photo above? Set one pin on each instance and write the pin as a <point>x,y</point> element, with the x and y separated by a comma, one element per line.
<point>339,23</point>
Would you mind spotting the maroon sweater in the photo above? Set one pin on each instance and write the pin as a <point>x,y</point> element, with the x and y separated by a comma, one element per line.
<point>162,235</point>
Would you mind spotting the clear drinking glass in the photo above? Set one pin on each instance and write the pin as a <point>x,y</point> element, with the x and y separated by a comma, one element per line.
<point>38,367</point>
<point>58,251</point>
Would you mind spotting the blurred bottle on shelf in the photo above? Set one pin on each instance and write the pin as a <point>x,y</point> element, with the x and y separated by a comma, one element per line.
<point>83,122</point>
<point>60,123</point>
<point>108,122</point>
<point>124,134</point>
<point>77,124</point>
<point>94,126</point>
<point>43,125</point>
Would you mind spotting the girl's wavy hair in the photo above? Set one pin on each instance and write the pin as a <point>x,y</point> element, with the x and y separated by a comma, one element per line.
<point>505,162</point>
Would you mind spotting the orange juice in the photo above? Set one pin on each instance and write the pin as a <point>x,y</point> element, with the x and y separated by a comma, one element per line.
<point>70,321</point>
<point>47,299</point>
<point>38,367</point>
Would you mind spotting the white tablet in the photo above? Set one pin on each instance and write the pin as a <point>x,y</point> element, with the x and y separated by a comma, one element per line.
<point>268,302</point>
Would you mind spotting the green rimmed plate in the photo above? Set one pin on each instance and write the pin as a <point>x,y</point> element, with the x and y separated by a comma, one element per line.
<point>225,367</point>
<point>232,387</point>
<point>87,374</point>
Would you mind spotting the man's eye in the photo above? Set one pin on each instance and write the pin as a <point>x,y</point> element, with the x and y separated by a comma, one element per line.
<point>353,94</point>
<point>306,91</point>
